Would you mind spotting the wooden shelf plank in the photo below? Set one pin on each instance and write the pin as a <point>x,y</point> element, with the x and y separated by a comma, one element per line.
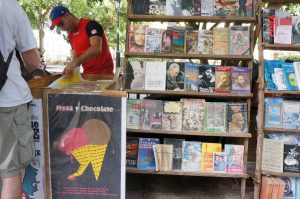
<point>190,133</point>
<point>282,92</point>
<point>288,174</point>
<point>195,94</point>
<point>282,1</point>
<point>189,56</point>
<point>281,130</point>
<point>165,18</point>
<point>281,47</point>
<point>187,173</point>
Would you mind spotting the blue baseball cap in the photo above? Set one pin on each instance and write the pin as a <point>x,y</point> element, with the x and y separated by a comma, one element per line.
<point>56,14</point>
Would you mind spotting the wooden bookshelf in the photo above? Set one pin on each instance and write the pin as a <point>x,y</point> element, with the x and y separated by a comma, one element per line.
<point>191,94</point>
<point>281,174</point>
<point>190,133</point>
<point>281,130</point>
<point>185,173</point>
<point>275,92</point>
<point>189,56</point>
<point>281,47</point>
<point>191,18</point>
<point>282,1</point>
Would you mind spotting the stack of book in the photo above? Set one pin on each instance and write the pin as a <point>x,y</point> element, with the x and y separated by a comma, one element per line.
<point>181,155</point>
<point>187,115</point>
<point>234,40</point>
<point>192,7</point>
<point>186,76</point>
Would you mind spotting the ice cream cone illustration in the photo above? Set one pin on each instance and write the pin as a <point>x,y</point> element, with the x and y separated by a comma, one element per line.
<point>87,145</point>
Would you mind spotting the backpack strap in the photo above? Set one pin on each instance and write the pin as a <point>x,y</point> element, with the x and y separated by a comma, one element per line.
<point>4,68</point>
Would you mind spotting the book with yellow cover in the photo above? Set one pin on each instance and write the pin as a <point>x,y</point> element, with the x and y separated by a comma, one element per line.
<point>208,149</point>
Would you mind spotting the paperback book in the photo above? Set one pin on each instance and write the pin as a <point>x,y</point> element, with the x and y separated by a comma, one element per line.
<point>151,114</point>
<point>240,79</point>
<point>237,118</point>
<point>177,151</point>
<point>193,113</point>
<point>132,144</point>
<point>216,117</point>
<point>191,159</point>
<point>133,113</point>
<point>146,160</point>
<point>172,116</point>
<point>235,158</point>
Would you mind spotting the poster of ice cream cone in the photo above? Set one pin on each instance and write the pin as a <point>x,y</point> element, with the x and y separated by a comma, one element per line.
<point>86,139</point>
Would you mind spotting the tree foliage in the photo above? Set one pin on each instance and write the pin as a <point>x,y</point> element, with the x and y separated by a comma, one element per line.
<point>103,11</point>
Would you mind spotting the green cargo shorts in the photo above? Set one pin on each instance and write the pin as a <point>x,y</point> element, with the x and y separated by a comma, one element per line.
<point>16,140</point>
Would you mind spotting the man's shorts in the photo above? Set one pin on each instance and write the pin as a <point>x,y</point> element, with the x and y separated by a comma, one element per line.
<point>16,140</point>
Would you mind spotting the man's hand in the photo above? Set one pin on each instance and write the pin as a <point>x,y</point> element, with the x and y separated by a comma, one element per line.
<point>69,69</point>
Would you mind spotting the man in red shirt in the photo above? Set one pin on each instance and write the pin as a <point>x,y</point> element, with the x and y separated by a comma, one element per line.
<point>88,41</point>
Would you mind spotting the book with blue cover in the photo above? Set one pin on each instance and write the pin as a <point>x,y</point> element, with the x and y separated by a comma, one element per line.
<point>270,79</point>
<point>146,159</point>
<point>191,80</point>
<point>273,112</point>
<point>289,76</point>
<point>191,158</point>
<point>291,117</point>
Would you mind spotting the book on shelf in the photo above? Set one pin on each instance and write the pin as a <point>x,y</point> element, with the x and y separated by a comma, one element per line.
<point>193,112</point>
<point>297,195</point>
<point>172,116</point>
<point>289,76</point>
<point>197,7</point>
<point>140,7</point>
<point>216,117</point>
<point>207,7</point>
<point>223,79</point>
<point>163,157</point>
<point>187,7</point>
<point>132,145</point>
<point>282,27</point>
<point>240,80</point>
<point>166,41</point>
<point>281,188</point>
<point>220,41</point>
<point>220,162</point>
<point>137,34</point>
<point>173,7</point>
<point>205,42</point>
<point>226,7</point>
<point>175,76</point>
<point>235,158</point>
<point>153,40</point>
<point>273,112</point>
<point>133,113</point>
<point>279,79</point>
<point>290,187</point>
<point>295,29</point>
<point>266,187</point>
<point>191,42</point>
<point>207,78</point>
<point>285,137</point>
<point>272,155</point>
<point>275,189</point>
<point>245,8</point>
<point>269,67</point>
<point>239,40</point>
<point>178,40</point>
<point>268,17</point>
<point>146,160</point>
<point>191,79</point>
<point>157,7</point>
<point>207,156</point>
<point>291,157</point>
<point>177,151</point>
<point>151,113</point>
<point>135,75</point>
<point>237,118</point>
<point>297,73</point>
<point>155,75</point>
<point>291,111</point>
<point>191,156</point>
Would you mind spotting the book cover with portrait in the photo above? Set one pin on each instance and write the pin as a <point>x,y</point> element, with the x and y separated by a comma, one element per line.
<point>240,80</point>
<point>237,118</point>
